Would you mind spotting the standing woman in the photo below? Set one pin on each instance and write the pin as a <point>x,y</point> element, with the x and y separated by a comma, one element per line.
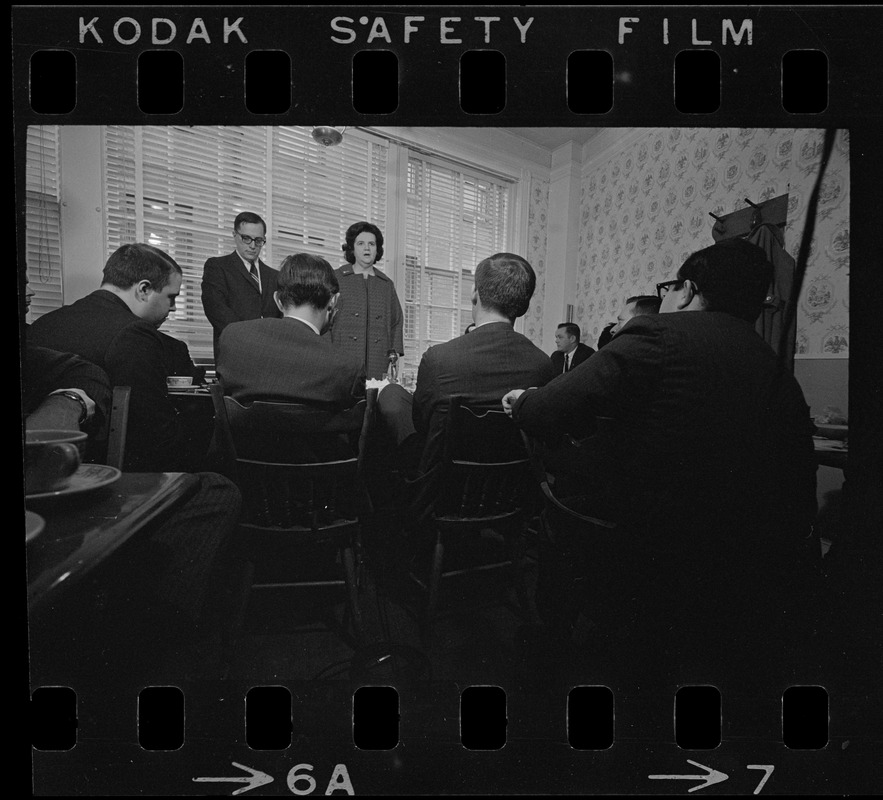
<point>369,315</point>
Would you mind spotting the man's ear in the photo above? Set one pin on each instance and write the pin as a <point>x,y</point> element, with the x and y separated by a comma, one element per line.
<point>688,292</point>
<point>276,301</point>
<point>142,289</point>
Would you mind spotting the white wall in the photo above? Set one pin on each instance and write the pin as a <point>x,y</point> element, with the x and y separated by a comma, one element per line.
<point>82,220</point>
<point>563,239</point>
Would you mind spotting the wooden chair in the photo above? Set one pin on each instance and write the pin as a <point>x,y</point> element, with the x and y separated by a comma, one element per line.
<point>575,550</point>
<point>482,486</point>
<point>117,426</point>
<point>289,497</point>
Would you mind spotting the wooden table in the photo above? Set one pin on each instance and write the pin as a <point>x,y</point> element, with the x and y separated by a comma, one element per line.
<point>84,531</point>
<point>830,453</point>
<point>198,391</point>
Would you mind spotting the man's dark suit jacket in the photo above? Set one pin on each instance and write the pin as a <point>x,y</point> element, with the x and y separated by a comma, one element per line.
<point>102,329</point>
<point>582,352</point>
<point>481,366</point>
<point>715,465</point>
<point>701,406</point>
<point>178,359</point>
<point>285,361</point>
<point>229,294</point>
<point>45,371</point>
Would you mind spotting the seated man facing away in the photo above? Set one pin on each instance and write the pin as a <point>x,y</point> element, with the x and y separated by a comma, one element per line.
<point>174,584</point>
<point>287,359</point>
<point>570,350</point>
<point>60,391</point>
<point>713,478</point>
<point>606,334</point>
<point>635,307</point>
<point>115,327</point>
<point>476,366</point>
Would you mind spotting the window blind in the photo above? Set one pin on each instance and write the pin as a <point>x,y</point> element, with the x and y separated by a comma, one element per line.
<point>180,188</point>
<point>318,191</point>
<point>43,213</point>
<point>455,218</point>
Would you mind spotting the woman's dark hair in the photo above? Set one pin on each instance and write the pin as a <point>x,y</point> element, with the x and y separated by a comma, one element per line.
<point>353,231</point>
<point>304,278</point>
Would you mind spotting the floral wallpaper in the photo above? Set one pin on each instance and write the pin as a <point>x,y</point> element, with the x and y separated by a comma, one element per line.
<point>537,222</point>
<point>644,209</point>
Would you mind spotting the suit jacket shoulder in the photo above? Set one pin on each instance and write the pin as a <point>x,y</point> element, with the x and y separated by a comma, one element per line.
<point>582,352</point>
<point>284,360</point>
<point>102,329</point>
<point>268,272</point>
<point>481,367</point>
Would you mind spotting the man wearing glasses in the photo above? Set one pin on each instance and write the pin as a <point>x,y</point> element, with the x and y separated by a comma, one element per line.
<point>712,475</point>
<point>239,286</point>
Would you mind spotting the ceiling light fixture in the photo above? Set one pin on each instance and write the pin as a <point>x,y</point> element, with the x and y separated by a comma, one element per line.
<point>328,135</point>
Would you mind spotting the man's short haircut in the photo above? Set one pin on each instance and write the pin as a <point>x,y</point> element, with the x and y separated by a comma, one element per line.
<point>305,278</point>
<point>248,218</point>
<point>505,283</point>
<point>570,328</point>
<point>352,233</point>
<point>732,276</point>
<point>645,304</point>
<point>136,262</point>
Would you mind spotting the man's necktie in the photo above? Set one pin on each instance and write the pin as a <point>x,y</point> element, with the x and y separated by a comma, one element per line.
<point>254,275</point>
<point>566,361</point>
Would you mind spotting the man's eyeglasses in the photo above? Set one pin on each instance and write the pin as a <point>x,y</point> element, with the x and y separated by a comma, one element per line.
<point>260,241</point>
<point>662,289</point>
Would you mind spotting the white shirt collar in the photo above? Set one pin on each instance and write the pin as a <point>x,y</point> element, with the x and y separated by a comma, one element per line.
<point>491,322</point>
<point>257,262</point>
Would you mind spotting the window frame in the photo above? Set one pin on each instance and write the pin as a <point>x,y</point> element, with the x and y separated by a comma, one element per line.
<point>151,187</point>
<point>44,245</point>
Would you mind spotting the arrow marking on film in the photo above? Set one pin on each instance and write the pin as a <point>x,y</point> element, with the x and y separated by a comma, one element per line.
<point>711,777</point>
<point>257,778</point>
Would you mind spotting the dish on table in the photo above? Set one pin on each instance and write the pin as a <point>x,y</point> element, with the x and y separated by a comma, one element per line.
<point>34,525</point>
<point>87,478</point>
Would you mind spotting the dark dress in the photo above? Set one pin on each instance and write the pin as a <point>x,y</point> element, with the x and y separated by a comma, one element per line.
<point>369,320</point>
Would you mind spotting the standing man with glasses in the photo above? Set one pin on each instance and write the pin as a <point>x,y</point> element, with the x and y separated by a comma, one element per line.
<point>239,286</point>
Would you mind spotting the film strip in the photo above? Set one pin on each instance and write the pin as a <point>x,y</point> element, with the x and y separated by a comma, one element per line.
<point>390,720</point>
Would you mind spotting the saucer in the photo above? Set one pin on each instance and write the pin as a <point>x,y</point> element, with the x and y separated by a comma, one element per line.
<point>34,525</point>
<point>87,478</point>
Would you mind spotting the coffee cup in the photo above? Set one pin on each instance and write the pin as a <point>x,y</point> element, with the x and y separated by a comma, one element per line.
<point>51,457</point>
<point>179,381</point>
